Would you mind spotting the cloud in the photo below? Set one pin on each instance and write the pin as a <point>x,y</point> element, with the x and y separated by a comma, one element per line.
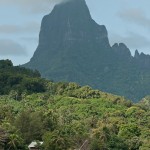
<point>136,16</point>
<point>32,6</point>
<point>30,2</point>
<point>31,27</point>
<point>132,40</point>
<point>11,48</point>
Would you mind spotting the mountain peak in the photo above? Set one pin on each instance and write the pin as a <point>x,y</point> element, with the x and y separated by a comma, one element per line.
<point>68,22</point>
<point>122,50</point>
<point>68,31</point>
<point>72,8</point>
<point>136,55</point>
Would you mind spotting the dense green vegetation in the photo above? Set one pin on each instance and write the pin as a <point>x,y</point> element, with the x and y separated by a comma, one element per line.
<point>17,79</point>
<point>66,116</point>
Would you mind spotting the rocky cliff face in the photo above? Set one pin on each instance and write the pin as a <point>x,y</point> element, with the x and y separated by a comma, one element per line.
<point>69,40</point>
<point>73,47</point>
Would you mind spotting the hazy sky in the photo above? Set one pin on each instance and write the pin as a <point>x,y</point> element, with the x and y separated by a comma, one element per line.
<point>127,21</point>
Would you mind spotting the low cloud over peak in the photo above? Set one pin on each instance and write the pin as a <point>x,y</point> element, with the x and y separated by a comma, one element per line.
<point>32,6</point>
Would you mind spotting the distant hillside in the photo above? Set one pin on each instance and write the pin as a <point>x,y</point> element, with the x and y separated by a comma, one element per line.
<point>73,47</point>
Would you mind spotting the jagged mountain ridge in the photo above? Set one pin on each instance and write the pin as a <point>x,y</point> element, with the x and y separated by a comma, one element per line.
<point>73,47</point>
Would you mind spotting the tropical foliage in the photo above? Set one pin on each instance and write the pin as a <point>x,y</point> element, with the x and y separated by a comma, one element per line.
<point>66,116</point>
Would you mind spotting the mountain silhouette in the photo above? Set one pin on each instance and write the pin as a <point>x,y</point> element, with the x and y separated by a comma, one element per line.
<point>73,47</point>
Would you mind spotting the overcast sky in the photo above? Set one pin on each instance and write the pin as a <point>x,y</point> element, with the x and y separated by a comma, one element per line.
<point>127,21</point>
